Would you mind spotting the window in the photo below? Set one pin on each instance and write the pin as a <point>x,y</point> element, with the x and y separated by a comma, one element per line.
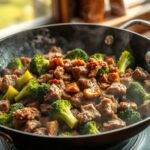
<point>18,11</point>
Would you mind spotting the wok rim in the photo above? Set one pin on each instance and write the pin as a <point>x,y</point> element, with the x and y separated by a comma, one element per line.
<point>78,136</point>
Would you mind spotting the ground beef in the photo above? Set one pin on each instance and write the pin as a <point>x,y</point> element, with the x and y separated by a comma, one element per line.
<point>112,124</point>
<point>139,74</point>
<point>116,89</point>
<point>147,85</point>
<point>59,72</point>
<point>45,108</point>
<point>27,113</point>
<point>91,93</point>
<point>4,106</point>
<point>54,93</point>
<point>40,131</point>
<point>45,78</point>
<point>7,81</point>
<point>26,62</point>
<point>125,105</point>
<point>88,112</point>
<point>79,71</point>
<point>31,125</point>
<point>72,88</point>
<point>107,107</point>
<point>52,128</point>
<point>54,52</point>
<point>144,109</point>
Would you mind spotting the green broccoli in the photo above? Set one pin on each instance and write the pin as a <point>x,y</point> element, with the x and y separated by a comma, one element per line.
<point>130,116</point>
<point>126,60</point>
<point>31,89</point>
<point>23,80</point>
<point>102,71</point>
<point>10,94</point>
<point>136,92</point>
<point>39,65</point>
<point>16,64</point>
<point>16,106</point>
<point>42,90</point>
<point>98,56</point>
<point>66,133</point>
<point>77,54</point>
<point>6,119</point>
<point>61,110</point>
<point>89,128</point>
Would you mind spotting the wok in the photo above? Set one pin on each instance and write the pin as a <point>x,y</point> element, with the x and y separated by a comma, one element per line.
<point>91,38</point>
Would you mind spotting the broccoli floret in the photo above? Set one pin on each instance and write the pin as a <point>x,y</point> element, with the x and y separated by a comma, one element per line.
<point>16,106</point>
<point>89,128</point>
<point>129,115</point>
<point>31,89</point>
<point>16,64</point>
<point>39,65</point>
<point>42,90</point>
<point>5,119</point>
<point>23,80</point>
<point>98,56</point>
<point>77,54</point>
<point>67,133</point>
<point>10,94</point>
<point>125,61</point>
<point>102,71</point>
<point>61,110</point>
<point>136,92</point>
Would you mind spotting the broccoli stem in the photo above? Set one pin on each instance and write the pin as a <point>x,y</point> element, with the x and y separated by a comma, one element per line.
<point>23,79</point>
<point>69,118</point>
<point>10,94</point>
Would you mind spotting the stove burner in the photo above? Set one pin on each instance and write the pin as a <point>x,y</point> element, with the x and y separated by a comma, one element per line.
<point>138,142</point>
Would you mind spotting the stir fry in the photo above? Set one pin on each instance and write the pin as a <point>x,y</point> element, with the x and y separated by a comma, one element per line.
<point>73,94</point>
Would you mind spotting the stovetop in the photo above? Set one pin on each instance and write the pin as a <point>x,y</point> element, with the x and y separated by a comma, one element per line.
<point>138,142</point>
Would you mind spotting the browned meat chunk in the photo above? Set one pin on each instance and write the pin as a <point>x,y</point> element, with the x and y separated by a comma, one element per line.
<point>7,71</point>
<point>31,125</point>
<point>144,109</point>
<point>44,120</point>
<point>7,81</point>
<point>91,93</point>
<point>125,105</point>
<point>67,77</point>
<point>113,124</point>
<point>85,83</point>
<point>56,61</point>
<point>66,95</point>
<point>107,107</point>
<point>33,104</point>
<point>88,112</point>
<point>45,108</point>
<point>139,74</point>
<point>78,62</point>
<point>59,72</point>
<point>67,65</point>
<point>45,78</point>
<point>76,99</point>
<point>40,131</point>
<point>72,88</point>
<point>26,61</point>
<point>27,113</point>
<point>75,112</point>
<point>147,85</point>
<point>4,106</point>
<point>113,77</point>
<point>126,80</point>
<point>52,128</point>
<point>54,93</point>
<point>54,52</point>
<point>79,71</point>
<point>116,89</point>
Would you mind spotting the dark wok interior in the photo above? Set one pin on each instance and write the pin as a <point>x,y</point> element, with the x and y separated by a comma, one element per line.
<point>91,38</point>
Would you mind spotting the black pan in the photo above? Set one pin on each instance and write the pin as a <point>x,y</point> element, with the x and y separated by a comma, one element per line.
<point>91,38</point>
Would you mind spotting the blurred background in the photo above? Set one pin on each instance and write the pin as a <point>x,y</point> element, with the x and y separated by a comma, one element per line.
<point>17,15</point>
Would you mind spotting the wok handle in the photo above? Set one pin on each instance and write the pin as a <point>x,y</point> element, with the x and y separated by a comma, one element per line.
<point>136,22</point>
